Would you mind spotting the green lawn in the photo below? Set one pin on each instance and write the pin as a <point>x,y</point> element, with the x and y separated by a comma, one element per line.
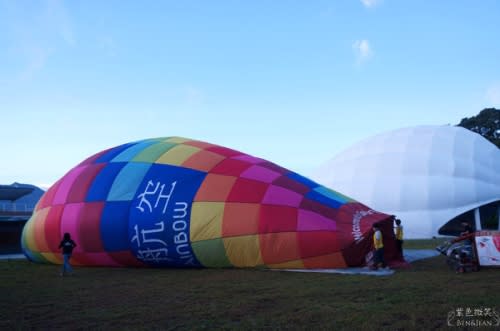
<point>36,297</point>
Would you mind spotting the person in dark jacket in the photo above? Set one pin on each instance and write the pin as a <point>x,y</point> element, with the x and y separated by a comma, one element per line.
<point>67,245</point>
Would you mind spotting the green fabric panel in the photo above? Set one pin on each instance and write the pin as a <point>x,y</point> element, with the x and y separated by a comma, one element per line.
<point>211,253</point>
<point>153,152</point>
<point>333,194</point>
<point>127,181</point>
<point>132,152</point>
<point>37,257</point>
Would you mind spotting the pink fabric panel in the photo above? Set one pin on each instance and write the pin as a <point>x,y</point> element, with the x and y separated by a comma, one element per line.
<point>310,221</point>
<point>69,223</point>
<point>276,195</point>
<point>260,173</point>
<point>248,158</point>
<point>65,185</point>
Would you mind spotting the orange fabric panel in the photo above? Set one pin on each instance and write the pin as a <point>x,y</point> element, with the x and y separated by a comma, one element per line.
<point>334,260</point>
<point>199,144</point>
<point>295,264</point>
<point>215,188</point>
<point>240,219</point>
<point>279,247</point>
<point>203,161</point>
<point>39,230</point>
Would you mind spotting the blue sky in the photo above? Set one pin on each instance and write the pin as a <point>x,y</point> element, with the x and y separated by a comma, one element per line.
<point>294,82</point>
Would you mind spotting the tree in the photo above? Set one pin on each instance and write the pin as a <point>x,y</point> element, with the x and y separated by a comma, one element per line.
<point>486,123</point>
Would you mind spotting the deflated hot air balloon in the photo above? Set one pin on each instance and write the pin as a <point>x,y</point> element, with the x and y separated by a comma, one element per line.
<point>176,202</point>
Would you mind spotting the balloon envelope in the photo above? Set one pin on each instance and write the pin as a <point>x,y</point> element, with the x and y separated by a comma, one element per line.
<point>177,202</point>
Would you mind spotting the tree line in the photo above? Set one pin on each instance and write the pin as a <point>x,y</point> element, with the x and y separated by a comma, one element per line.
<point>486,123</point>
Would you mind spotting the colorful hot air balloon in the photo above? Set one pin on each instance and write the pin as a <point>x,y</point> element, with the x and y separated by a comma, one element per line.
<point>185,203</point>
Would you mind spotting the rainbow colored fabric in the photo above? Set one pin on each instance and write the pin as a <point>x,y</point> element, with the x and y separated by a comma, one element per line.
<point>178,202</point>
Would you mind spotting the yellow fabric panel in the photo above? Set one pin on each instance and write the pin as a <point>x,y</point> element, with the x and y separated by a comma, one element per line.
<point>243,251</point>
<point>39,230</point>
<point>53,258</point>
<point>206,220</point>
<point>178,154</point>
<point>177,140</point>
<point>29,233</point>
<point>295,264</point>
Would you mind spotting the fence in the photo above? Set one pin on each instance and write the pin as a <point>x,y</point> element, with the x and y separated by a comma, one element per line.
<point>16,207</point>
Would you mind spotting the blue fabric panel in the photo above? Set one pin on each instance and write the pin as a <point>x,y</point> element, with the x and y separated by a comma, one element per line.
<point>127,181</point>
<point>160,216</point>
<point>129,153</point>
<point>302,180</point>
<point>114,226</point>
<point>331,194</point>
<point>101,185</point>
<point>316,196</point>
<point>106,157</point>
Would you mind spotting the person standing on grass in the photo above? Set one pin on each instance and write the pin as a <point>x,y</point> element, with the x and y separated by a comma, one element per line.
<point>378,244</point>
<point>399,236</point>
<point>67,245</point>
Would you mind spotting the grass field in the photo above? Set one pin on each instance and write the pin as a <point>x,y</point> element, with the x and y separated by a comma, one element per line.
<point>419,298</point>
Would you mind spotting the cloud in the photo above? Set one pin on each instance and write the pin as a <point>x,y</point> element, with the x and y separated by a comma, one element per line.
<point>493,95</point>
<point>371,3</point>
<point>57,14</point>
<point>362,51</point>
<point>34,32</point>
<point>36,59</point>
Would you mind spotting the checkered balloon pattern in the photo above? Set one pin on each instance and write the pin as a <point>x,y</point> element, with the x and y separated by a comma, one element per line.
<point>177,202</point>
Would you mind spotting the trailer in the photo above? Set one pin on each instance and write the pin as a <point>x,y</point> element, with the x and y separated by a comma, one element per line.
<point>472,251</point>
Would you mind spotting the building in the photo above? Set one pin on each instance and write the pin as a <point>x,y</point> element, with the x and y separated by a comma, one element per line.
<point>17,202</point>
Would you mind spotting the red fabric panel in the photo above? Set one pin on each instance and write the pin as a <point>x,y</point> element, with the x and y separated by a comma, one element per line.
<point>247,190</point>
<point>315,243</point>
<point>48,196</point>
<point>279,247</point>
<point>277,219</point>
<point>291,184</point>
<point>53,228</point>
<point>354,220</point>
<point>355,254</point>
<point>230,167</point>
<point>89,230</point>
<point>126,258</point>
<point>223,151</point>
<point>274,167</point>
<point>81,185</point>
<point>81,258</point>
<point>319,208</point>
